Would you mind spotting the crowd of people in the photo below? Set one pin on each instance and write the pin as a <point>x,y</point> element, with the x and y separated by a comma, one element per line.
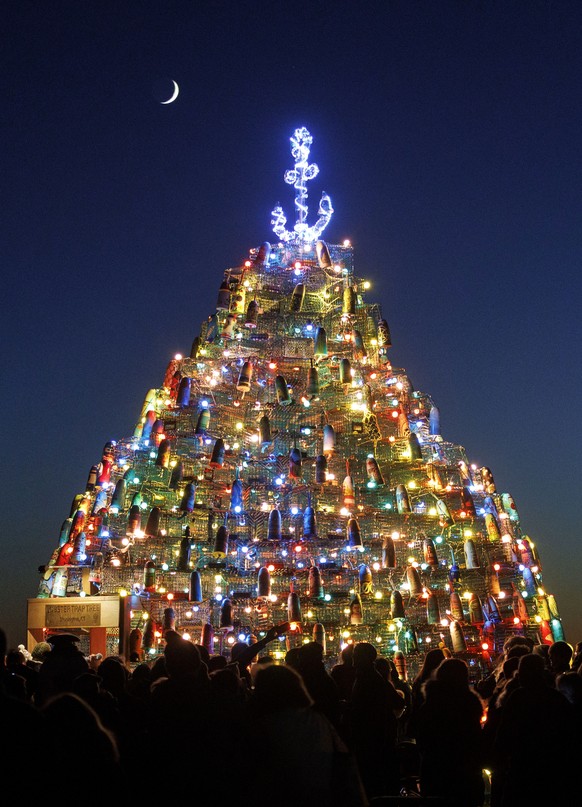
<point>245,726</point>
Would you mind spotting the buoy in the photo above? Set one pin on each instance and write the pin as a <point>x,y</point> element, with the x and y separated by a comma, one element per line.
<point>434,474</point>
<point>245,376</point>
<point>414,584</point>
<point>353,534</point>
<point>223,300</point>
<point>134,519</point>
<point>293,607</point>
<point>79,547</point>
<point>509,507</point>
<point>92,478</point>
<point>263,254</point>
<point>383,336</point>
<point>388,553</point>
<point>328,440</point>
<point>433,614</point>
<point>185,550</point>
<point>349,301</point>
<point>457,638</point>
<point>163,457</point>
<point>264,583</point>
<point>282,391</point>
<point>207,638</point>
<point>471,559</point>
<point>491,526</point>
<point>492,609</point>
<point>319,636</point>
<point>359,348</point>
<point>188,498</point>
<point>252,314</point>
<point>236,494</point>
<point>177,476</point>
<point>135,645</point>
<point>320,342</point>
<point>226,615</point>
<point>557,630</point>
<point>274,529</point>
<point>195,587</point>
<point>237,300</point>
<point>365,580</point>
<point>309,522</point>
<point>65,531</point>
<point>217,458</point>
<point>414,446</point>
<point>105,471</point>
<point>320,469</point>
<point>203,421</point>
<point>153,523</point>
<point>315,582</point>
<point>212,328</point>
<point>149,635</point>
<point>487,480</point>
<point>403,424</point>
<point>221,541</point>
<point>348,488</point>
<point>183,398</point>
<point>402,500</point>
<point>100,502</point>
<point>489,506</point>
<point>429,552</point>
<point>454,572</point>
<point>323,256</point>
<point>228,327</point>
<point>196,343</point>
<point>396,605</point>
<point>476,616</point>
<point>373,471</point>
<point>297,298</point>
<point>312,382</point>
<point>519,606</point>
<point>149,576</point>
<point>295,463</point>
<point>444,512</point>
<point>434,421</point>
<point>400,664</point>
<point>169,622</point>
<point>148,423</point>
<point>456,606</point>
<point>356,610</point>
<point>264,431</point>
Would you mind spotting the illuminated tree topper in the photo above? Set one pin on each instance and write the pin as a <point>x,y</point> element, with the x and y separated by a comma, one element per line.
<point>301,140</point>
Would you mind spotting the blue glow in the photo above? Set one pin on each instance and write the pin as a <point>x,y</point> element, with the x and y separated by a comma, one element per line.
<point>238,508</point>
<point>294,510</point>
<point>284,553</point>
<point>241,637</point>
<point>323,560</point>
<point>278,481</point>
<point>204,404</point>
<point>327,597</point>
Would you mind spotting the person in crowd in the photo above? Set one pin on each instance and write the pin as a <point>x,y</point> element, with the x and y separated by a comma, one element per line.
<point>560,658</point>
<point>318,682</point>
<point>16,664</point>
<point>62,665</point>
<point>344,672</point>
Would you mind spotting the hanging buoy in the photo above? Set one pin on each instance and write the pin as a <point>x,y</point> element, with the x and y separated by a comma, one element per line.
<point>185,550</point>
<point>297,297</point>
<point>169,622</point>
<point>345,371</point>
<point>207,638</point>
<point>476,615</point>
<point>434,421</point>
<point>434,475</point>
<point>223,300</point>
<point>557,630</point>
<point>400,664</point>
<point>323,256</point>
<point>349,300</point>
<point>373,471</point>
<point>236,494</point>
<point>77,523</point>
<point>245,376</point>
<point>100,502</point>
<point>264,583</point>
<point>359,348</point>
<point>153,523</point>
<point>183,397</point>
<point>293,607</point>
<point>471,559</point>
<point>79,548</point>
<point>529,580</point>
<point>212,328</point>
<point>444,512</point>
<point>149,635</point>
<point>433,614</point>
<point>105,471</point>
<point>509,507</point>
<point>203,421</point>
<point>217,458</point>
<point>493,585</point>
<point>519,607</point>
<point>226,615</point>
<point>149,576</point>
<point>328,440</point>
<point>309,522</point>
<point>228,327</point>
<point>402,500</point>
<point>457,638</point>
<point>295,464</point>
<point>365,581</point>
<point>319,636</point>
<point>320,469</point>
<point>264,431</point>
<point>320,342</point>
<point>274,530</point>
<point>65,531</point>
<point>456,606</point>
<point>315,583</point>
<point>282,391</point>
<point>383,336</point>
<point>491,526</point>
<point>353,534</point>
<point>252,314</point>
<point>312,382</point>
<point>403,424</point>
<point>414,447</point>
<point>196,343</point>
<point>348,488</point>
<point>396,605</point>
<point>135,645</point>
<point>356,610</point>
<point>163,457</point>
<point>221,541</point>
<point>134,519</point>
<point>263,254</point>
<point>493,609</point>
<point>177,476</point>
<point>454,572</point>
<point>388,553</point>
<point>237,300</point>
<point>467,503</point>
<point>414,584</point>
<point>195,587</point>
<point>487,480</point>
<point>92,478</point>
<point>429,552</point>
<point>157,432</point>
<point>188,498</point>
<point>146,429</point>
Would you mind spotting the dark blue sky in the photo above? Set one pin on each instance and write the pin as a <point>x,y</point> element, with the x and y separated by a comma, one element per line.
<point>449,137</point>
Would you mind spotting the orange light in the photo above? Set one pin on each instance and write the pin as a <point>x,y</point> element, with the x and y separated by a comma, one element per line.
<point>462,514</point>
<point>298,548</point>
<point>170,596</point>
<point>293,626</point>
<point>485,646</point>
<point>298,264</point>
<point>373,375</point>
<point>247,263</point>
<point>516,620</point>
<point>394,414</point>
<point>272,365</point>
<point>496,567</point>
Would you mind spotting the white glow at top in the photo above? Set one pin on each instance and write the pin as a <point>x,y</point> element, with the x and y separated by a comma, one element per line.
<point>298,176</point>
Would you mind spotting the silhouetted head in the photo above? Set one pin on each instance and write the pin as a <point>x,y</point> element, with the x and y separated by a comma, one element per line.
<point>453,671</point>
<point>365,654</point>
<point>278,687</point>
<point>517,650</point>
<point>570,685</point>
<point>532,670</point>
<point>560,656</point>
<point>310,654</point>
<point>432,660</point>
<point>182,658</point>
<point>347,654</point>
<point>40,651</point>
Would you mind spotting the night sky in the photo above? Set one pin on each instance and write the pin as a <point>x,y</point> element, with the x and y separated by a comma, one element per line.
<point>449,137</point>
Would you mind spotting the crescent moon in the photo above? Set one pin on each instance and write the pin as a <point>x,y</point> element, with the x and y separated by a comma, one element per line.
<point>174,94</point>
